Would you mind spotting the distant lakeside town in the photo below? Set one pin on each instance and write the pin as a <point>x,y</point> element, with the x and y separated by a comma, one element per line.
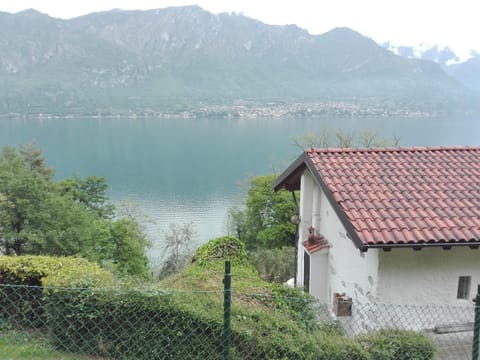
<point>248,110</point>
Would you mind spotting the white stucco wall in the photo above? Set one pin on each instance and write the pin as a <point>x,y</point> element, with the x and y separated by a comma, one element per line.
<point>348,270</point>
<point>427,276</point>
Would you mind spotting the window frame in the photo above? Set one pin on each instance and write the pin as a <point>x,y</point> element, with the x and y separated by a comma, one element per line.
<point>464,287</point>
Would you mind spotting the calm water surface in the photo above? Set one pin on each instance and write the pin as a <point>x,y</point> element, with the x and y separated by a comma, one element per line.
<point>194,170</point>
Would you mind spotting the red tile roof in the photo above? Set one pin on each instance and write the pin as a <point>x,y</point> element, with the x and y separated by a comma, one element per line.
<point>405,196</point>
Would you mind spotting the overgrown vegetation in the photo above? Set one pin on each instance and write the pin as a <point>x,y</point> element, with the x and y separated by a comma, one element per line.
<point>72,216</point>
<point>271,321</point>
<point>183,312</point>
<point>264,226</point>
<point>275,265</point>
<point>392,344</point>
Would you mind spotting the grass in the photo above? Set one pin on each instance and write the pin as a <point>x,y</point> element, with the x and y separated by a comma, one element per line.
<point>16,345</point>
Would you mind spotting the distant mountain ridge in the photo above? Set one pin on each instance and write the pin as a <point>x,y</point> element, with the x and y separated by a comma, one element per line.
<point>182,58</point>
<point>465,68</point>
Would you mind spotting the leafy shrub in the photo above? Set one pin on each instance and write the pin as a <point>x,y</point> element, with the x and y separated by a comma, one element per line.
<point>133,324</point>
<point>225,247</point>
<point>392,344</point>
<point>23,302</point>
<point>33,270</point>
<point>79,273</point>
<point>160,325</point>
<point>298,305</point>
<point>27,270</point>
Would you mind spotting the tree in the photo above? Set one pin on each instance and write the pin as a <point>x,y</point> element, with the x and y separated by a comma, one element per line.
<point>178,248</point>
<point>24,201</point>
<point>70,229</point>
<point>129,243</point>
<point>33,159</point>
<point>90,192</point>
<point>265,222</point>
<point>328,137</point>
<point>70,217</point>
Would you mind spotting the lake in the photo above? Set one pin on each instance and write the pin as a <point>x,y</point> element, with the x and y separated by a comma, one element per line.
<point>194,170</point>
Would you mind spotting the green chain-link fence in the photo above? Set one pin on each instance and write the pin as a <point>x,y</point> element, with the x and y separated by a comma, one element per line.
<point>61,323</point>
<point>450,328</point>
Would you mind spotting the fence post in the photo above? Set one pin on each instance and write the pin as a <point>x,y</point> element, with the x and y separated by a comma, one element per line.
<point>476,326</point>
<point>227,304</point>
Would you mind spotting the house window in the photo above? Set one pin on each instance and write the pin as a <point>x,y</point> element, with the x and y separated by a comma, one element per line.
<point>463,291</point>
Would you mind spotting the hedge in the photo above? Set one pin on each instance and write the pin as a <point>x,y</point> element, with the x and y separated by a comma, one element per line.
<point>23,300</point>
<point>159,325</point>
<point>33,270</point>
<point>155,324</point>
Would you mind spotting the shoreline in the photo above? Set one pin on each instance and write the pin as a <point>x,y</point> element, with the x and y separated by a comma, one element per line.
<point>252,111</point>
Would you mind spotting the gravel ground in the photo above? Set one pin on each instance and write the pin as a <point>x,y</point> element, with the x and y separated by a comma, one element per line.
<point>453,346</point>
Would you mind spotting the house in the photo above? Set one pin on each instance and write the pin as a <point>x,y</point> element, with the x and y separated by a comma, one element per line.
<point>388,225</point>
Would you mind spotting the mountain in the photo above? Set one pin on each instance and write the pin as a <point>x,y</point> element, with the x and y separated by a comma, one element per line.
<point>468,72</point>
<point>465,68</point>
<point>180,58</point>
<point>442,55</point>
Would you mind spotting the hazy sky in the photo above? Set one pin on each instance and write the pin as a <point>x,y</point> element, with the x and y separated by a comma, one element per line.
<point>454,23</point>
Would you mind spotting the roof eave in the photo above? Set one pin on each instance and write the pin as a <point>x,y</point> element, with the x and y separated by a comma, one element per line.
<point>287,179</point>
<point>290,180</point>
<point>471,244</point>
<point>351,232</point>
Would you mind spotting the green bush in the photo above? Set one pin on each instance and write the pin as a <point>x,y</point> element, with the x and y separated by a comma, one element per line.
<point>33,270</point>
<point>27,270</point>
<point>79,273</point>
<point>393,344</point>
<point>225,247</point>
<point>132,325</point>
<point>23,298</point>
<point>159,325</point>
